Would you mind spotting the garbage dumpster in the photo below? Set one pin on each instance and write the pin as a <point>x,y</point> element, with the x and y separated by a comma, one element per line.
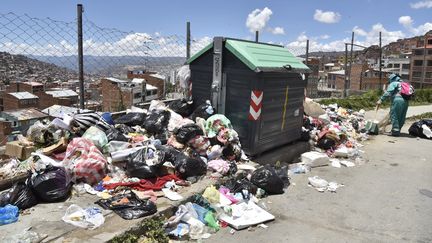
<point>258,86</point>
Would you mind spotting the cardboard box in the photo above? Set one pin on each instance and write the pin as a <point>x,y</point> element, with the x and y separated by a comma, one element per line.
<point>15,149</point>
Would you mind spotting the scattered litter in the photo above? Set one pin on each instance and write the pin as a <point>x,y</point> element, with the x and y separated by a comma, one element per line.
<point>315,159</point>
<point>90,217</point>
<point>335,163</point>
<point>347,163</point>
<point>322,185</point>
<point>171,195</point>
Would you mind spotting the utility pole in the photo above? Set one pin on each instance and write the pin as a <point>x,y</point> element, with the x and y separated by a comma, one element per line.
<point>351,60</point>
<point>380,62</point>
<point>188,40</point>
<point>256,35</point>
<point>80,55</point>
<point>346,71</point>
<point>307,52</point>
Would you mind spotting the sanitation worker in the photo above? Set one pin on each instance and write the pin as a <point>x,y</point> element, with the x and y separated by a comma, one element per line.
<point>399,105</point>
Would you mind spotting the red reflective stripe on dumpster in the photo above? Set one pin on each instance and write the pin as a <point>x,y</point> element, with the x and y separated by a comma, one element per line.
<point>255,105</point>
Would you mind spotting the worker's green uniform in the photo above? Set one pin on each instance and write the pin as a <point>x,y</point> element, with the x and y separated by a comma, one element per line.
<point>399,105</point>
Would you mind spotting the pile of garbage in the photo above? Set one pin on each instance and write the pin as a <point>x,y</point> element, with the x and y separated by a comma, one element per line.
<point>234,202</point>
<point>126,162</point>
<point>335,134</point>
<point>421,129</point>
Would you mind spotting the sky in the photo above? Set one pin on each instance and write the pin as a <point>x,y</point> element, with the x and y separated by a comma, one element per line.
<point>326,23</point>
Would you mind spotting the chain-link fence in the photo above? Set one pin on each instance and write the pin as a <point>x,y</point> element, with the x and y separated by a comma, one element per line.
<point>47,50</point>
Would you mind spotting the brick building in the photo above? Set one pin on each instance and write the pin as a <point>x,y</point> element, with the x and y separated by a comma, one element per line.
<point>65,97</point>
<point>5,131</point>
<point>19,100</point>
<point>151,78</point>
<point>335,79</point>
<point>22,119</point>
<point>421,63</point>
<point>119,94</point>
<point>31,87</point>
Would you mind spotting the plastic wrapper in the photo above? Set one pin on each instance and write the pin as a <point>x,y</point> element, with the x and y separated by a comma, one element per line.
<point>215,123</point>
<point>157,121</point>
<point>8,214</point>
<point>131,119</point>
<point>128,206</point>
<point>39,133</point>
<point>52,185</point>
<point>272,180</point>
<point>97,137</point>
<point>90,217</point>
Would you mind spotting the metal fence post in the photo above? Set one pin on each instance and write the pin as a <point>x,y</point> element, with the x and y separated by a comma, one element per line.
<point>351,60</point>
<point>80,55</point>
<point>307,52</point>
<point>346,69</point>
<point>380,62</point>
<point>188,40</point>
<point>256,35</point>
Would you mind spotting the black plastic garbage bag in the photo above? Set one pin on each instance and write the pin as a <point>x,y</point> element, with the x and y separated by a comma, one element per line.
<point>238,185</point>
<point>326,143</point>
<point>162,136</point>
<point>417,130</point>
<point>131,119</point>
<point>190,166</point>
<point>157,121</point>
<point>204,111</point>
<point>169,153</point>
<point>133,209</point>
<point>136,165</point>
<point>185,133</point>
<point>125,129</point>
<point>271,180</point>
<point>305,135</point>
<point>19,195</point>
<point>182,107</point>
<point>51,185</point>
<point>114,134</point>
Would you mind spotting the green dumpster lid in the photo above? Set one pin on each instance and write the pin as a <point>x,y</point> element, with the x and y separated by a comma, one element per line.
<point>259,56</point>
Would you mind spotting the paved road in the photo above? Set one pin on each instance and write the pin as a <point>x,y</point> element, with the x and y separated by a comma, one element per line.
<point>387,199</point>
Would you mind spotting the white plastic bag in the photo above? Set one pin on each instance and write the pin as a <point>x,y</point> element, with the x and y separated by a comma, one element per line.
<point>183,76</point>
<point>90,217</point>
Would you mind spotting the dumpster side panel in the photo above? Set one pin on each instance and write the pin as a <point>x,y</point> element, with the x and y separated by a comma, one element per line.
<point>282,111</point>
<point>201,77</point>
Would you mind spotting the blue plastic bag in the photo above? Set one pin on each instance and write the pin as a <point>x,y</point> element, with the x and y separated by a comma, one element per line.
<point>8,214</point>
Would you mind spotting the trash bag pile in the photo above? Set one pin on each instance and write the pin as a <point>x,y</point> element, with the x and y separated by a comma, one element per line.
<point>335,134</point>
<point>126,161</point>
<point>421,129</point>
<point>234,202</point>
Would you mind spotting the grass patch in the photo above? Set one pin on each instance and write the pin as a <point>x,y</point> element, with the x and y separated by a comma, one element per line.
<point>427,115</point>
<point>151,232</point>
<point>368,100</point>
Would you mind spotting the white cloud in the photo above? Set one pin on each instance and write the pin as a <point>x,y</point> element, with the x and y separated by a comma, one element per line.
<point>324,37</point>
<point>328,17</point>
<point>277,31</point>
<point>408,23</point>
<point>359,31</point>
<point>257,19</point>
<point>422,4</point>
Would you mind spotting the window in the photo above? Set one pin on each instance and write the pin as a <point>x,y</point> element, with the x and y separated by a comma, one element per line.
<point>418,52</point>
<point>154,92</point>
<point>389,65</point>
<point>137,95</point>
<point>148,93</point>
<point>428,74</point>
<point>416,74</point>
<point>429,63</point>
<point>418,62</point>
<point>429,42</point>
<point>396,65</point>
<point>429,52</point>
<point>405,66</point>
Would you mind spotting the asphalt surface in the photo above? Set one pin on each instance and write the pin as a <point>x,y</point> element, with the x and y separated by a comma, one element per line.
<point>386,199</point>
